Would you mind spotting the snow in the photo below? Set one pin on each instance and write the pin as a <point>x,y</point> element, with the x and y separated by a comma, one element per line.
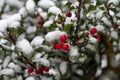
<point>53,35</point>
<point>19,78</point>
<point>54,10</point>
<point>44,15</point>
<point>79,72</point>
<point>23,12</point>
<point>73,51</point>
<point>42,61</point>
<point>100,27</point>
<point>6,61</point>
<point>46,3</point>
<point>114,35</point>
<point>104,61</point>
<point>6,71</point>
<point>30,6</point>
<point>3,25</point>
<point>31,29</point>
<point>24,46</point>
<point>15,3</point>
<point>63,67</point>
<point>91,47</point>
<point>106,21</point>
<point>11,65</point>
<point>52,72</point>
<point>13,18</point>
<point>17,68</point>
<point>30,78</point>
<point>15,24</point>
<point>37,41</point>
<point>48,23</point>
<point>99,14</point>
<point>92,39</point>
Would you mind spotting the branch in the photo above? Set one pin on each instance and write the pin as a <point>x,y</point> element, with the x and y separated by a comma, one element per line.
<point>78,15</point>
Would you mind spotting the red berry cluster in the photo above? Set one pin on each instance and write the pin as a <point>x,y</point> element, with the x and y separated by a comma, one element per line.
<point>39,21</point>
<point>62,44</point>
<point>38,70</point>
<point>93,32</point>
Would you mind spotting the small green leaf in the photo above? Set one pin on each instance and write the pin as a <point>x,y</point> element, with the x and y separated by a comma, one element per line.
<point>91,8</point>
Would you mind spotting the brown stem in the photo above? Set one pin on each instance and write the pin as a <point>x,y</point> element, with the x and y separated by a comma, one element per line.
<point>78,15</point>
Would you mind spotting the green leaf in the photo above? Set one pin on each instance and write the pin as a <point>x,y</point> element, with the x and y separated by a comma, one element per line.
<point>86,1</point>
<point>68,4</point>
<point>91,8</point>
<point>67,28</point>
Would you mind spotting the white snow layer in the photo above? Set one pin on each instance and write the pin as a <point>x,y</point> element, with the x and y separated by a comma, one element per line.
<point>74,51</point>
<point>13,18</point>
<point>24,46</point>
<point>23,12</point>
<point>54,10</point>
<point>30,78</point>
<point>48,23</point>
<point>53,35</point>
<point>63,67</point>
<point>46,3</point>
<point>37,41</point>
<point>15,24</point>
<point>6,71</point>
<point>100,27</point>
<point>92,39</point>
<point>3,25</point>
<point>42,61</point>
<point>30,6</point>
<point>114,35</point>
<point>6,61</point>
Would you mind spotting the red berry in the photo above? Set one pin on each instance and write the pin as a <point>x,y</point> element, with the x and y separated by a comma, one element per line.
<point>39,22</point>
<point>38,71</point>
<point>30,69</point>
<point>97,37</point>
<point>57,45</point>
<point>65,46</point>
<point>63,38</point>
<point>42,67</point>
<point>68,14</point>
<point>36,15</point>
<point>59,22</point>
<point>93,30</point>
<point>87,34</point>
<point>46,69</point>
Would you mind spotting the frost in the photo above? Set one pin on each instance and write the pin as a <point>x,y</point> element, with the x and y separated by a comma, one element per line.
<point>46,3</point>
<point>37,41</point>
<point>54,10</point>
<point>48,23</point>
<point>30,78</point>
<point>53,35</point>
<point>30,6</point>
<point>24,46</point>
<point>63,67</point>
<point>114,35</point>
<point>6,71</point>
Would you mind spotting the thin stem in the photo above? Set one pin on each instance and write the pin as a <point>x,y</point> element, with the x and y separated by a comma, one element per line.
<point>78,15</point>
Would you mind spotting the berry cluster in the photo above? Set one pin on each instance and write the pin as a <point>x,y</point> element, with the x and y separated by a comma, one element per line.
<point>39,21</point>
<point>93,32</point>
<point>62,44</point>
<point>38,70</point>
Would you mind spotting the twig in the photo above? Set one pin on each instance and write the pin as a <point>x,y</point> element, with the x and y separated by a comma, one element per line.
<point>78,15</point>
